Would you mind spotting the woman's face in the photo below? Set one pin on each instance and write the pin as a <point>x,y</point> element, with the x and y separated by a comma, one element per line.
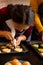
<point>21,26</point>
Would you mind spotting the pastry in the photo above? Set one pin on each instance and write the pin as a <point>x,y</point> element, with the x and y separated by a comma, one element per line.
<point>41,45</point>
<point>6,50</point>
<point>40,50</point>
<point>16,62</point>
<point>35,45</point>
<point>41,54</point>
<point>18,49</point>
<point>8,45</point>
<point>8,63</point>
<point>3,46</point>
<point>26,63</point>
<point>0,52</point>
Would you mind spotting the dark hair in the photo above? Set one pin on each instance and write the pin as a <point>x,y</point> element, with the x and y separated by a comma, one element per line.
<point>21,13</point>
<point>40,9</point>
<point>18,14</point>
<point>9,9</point>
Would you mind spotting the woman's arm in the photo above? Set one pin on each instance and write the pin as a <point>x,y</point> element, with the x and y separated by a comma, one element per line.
<point>6,34</point>
<point>19,39</point>
<point>22,37</point>
<point>25,36</point>
<point>1,33</point>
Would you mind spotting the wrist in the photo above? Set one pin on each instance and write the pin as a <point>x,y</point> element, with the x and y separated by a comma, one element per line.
<point>23,37</point>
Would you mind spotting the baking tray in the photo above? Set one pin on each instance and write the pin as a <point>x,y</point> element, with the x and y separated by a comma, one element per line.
<point>23,46</point>
<point>35,49</point>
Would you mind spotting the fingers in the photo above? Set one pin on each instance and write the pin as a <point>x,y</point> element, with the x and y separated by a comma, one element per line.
<point>8,35</point>
<point>13,42</point>
<point>11,37</point>
<point>17,43</point>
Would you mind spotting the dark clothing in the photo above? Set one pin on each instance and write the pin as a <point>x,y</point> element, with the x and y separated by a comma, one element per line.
<point>35,35</point>
<point>41,18</point>
<point>27,32</point>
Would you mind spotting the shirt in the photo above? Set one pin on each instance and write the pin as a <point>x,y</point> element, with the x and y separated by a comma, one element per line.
<point>27,32</point>
<point>37,23</point>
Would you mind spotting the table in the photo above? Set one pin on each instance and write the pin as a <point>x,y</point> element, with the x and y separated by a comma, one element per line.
<point>29,56</point>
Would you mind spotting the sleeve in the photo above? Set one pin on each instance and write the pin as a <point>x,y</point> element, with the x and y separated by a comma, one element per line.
<point>28,32</point>
<point>38,24</point>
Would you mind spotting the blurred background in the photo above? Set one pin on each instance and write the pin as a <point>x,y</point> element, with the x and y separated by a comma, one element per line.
<point>6,2</point>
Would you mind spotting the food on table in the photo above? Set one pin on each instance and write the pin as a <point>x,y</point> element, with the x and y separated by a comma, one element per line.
<point>0,52</point>
<point>26,63</point>
<point>40,50</point>
<point>17,46</point>
<point>9,48</point>
<point>35,45</point>
<point>41,45</point>
<point>3,46</point>
<point>16,62</point>
<point>9,45</point>
<point>8,63</point>
<point>6,50</point>
<point>18,49</point>
<point>12,47</point>
<point>41,54</point>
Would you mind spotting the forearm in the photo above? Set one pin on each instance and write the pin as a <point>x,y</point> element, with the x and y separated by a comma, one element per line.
<point>23,38</point>
<point>6,34</point>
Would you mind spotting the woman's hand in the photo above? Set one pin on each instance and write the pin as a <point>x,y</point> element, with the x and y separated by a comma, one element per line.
<point>18,40</point>
<point>8,35</point>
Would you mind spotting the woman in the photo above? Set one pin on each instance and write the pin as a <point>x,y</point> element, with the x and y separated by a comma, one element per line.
<point>21,20</point>
<point>38,29</point>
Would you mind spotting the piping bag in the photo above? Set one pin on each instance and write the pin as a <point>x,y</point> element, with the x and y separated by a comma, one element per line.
<point>13,35</point>
<point>10,24</point>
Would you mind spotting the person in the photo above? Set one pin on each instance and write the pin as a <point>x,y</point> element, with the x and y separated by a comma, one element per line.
<point>21,21</point>
<point>38,27</point>
<point>40,13</point>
